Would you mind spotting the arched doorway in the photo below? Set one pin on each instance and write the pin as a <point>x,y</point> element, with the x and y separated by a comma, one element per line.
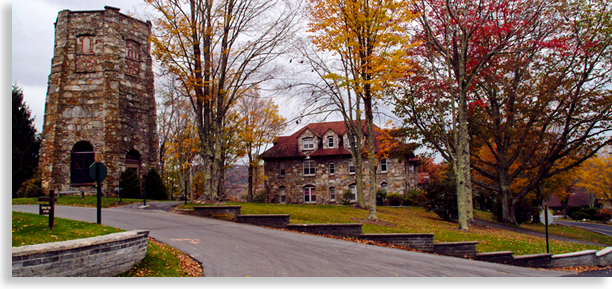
<point>81,158</point>
<point>132,161</point>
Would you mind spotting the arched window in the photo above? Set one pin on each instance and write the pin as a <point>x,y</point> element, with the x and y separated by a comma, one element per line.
<point>132,161</point>
<point>384,187</point>
<point>309,194</point>
<point>81,158</point>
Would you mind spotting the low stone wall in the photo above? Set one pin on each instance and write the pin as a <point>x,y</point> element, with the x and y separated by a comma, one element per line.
<point>101,256</point>
<point>274,221</point>
<point>601,258</point>
<point>342,230</point>
<point>457,249</point>
<point>218,212</point>
<point>422,242</point>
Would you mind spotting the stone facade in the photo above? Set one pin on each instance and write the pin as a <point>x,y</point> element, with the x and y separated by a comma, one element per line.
<point>100,100</point>
<point>295,166</point>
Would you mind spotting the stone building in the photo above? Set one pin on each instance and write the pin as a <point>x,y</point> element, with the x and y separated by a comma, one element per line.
<point>100,102</point>
<point>314,165</point>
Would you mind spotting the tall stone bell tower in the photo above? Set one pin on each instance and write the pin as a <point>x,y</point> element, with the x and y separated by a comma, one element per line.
<point>100,102</point>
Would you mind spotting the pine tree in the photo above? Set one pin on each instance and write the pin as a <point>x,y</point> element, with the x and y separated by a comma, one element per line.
<point>26,142</point>
<point>156,190</point>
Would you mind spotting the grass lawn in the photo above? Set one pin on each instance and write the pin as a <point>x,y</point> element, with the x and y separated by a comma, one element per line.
<point>417,220</point>
<point>161,260</point>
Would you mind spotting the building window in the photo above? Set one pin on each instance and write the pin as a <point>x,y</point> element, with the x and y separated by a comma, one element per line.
<point>330,142</point>
<point>85,60</point>
<point>384,187</point>
<point>132,161</point>
<point>308,143</point>
<point>81,158</point>
<point>351,166</point>
<point>383,165</point>
<point>332,194</point>
<point>353,190</point>
<point>309,194</point>
<point>309,168</point>
<point>332,168</point>
<point>282,195</point>
<point>281,167</point>
<point>132,66</point>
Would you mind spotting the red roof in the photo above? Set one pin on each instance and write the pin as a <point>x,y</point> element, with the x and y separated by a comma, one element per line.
<point>287,146</point>
<point>577,199</point>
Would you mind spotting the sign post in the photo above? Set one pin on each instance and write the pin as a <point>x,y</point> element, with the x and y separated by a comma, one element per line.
<point>48,209</point>
<point>547,220</point>
<point>98,172</point>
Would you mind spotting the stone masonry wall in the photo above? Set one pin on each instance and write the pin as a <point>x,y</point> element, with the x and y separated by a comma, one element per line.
<point>102,256</point>
<point>294,180</point>
<point>104,96</point>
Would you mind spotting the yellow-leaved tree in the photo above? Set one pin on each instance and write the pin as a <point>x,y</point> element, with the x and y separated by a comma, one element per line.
<point>370,39</point>
<point>595,176</point>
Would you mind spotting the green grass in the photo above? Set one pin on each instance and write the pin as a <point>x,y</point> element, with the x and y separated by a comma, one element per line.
<point>88,201</point>
<point>29,229</point>
<point>417,220</point>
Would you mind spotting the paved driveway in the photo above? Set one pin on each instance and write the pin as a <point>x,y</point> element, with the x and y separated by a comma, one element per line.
<point>232,249</point>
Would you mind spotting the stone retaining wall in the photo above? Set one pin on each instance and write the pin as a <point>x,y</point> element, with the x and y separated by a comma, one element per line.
<point>101,256</point>
<point>342,230</point>
<point>422,242</point>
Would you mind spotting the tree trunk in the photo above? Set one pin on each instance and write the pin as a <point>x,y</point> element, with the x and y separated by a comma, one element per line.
<point>250,179</point>
<point>463,176</point>
<point>372,160</point>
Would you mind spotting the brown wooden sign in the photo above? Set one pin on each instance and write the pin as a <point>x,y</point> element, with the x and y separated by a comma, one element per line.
<point>51,199</point>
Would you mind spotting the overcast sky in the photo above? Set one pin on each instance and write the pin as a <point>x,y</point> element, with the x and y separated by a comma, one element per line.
<point>32,49</point>
<point>32,43</point>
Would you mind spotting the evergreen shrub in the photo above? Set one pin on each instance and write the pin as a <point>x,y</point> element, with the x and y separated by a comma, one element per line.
<point>130,184</point>
<point>156,190</point>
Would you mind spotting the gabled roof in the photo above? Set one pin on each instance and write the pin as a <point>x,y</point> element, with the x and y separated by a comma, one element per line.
<point>287,146</point>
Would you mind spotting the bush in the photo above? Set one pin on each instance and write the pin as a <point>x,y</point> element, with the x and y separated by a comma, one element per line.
<point>31,188</point>
<point>395,199</point>
<point>604,214</point>
<point>156,190</point>
<point>412,198</point>
<point>588,213</point>
<point>130,185</point>
<point>260,196</point>
<point>573,209</point>
<point>523,212</point>
<point>382,194</point>
<point>346,198</point>
<point>442,199</point>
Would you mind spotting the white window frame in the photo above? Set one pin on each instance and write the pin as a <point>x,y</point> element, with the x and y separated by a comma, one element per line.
<point>330,142</point>
<point>310,197</point>
<point>332,194</point>
<point>309,168</point>
<point>353,190</point>
<point>383,165</point>
<point>351,165</point>
<point>282,171</point>
<point>308,143</point>
<point>282,193</point>
<point>332,168</point>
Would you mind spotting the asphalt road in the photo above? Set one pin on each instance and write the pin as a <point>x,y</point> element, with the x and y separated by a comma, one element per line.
<point>599,228</point>
<point>233,250</point>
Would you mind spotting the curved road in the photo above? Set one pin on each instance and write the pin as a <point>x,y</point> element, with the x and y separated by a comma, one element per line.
<point>232,249</point>
<point>599,228</point>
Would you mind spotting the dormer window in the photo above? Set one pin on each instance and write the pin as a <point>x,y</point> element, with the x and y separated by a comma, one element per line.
<point>308,143</point>
<point>330,142</point>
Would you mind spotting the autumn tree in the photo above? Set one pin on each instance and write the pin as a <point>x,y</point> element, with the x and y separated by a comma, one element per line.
<point>595,176</point>
<point>515,75</point>
<point>217,50</point>
<point>261,123</point>
<point>368,37</point>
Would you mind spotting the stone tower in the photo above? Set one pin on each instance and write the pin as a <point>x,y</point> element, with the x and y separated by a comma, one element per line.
<point>100,102</point>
